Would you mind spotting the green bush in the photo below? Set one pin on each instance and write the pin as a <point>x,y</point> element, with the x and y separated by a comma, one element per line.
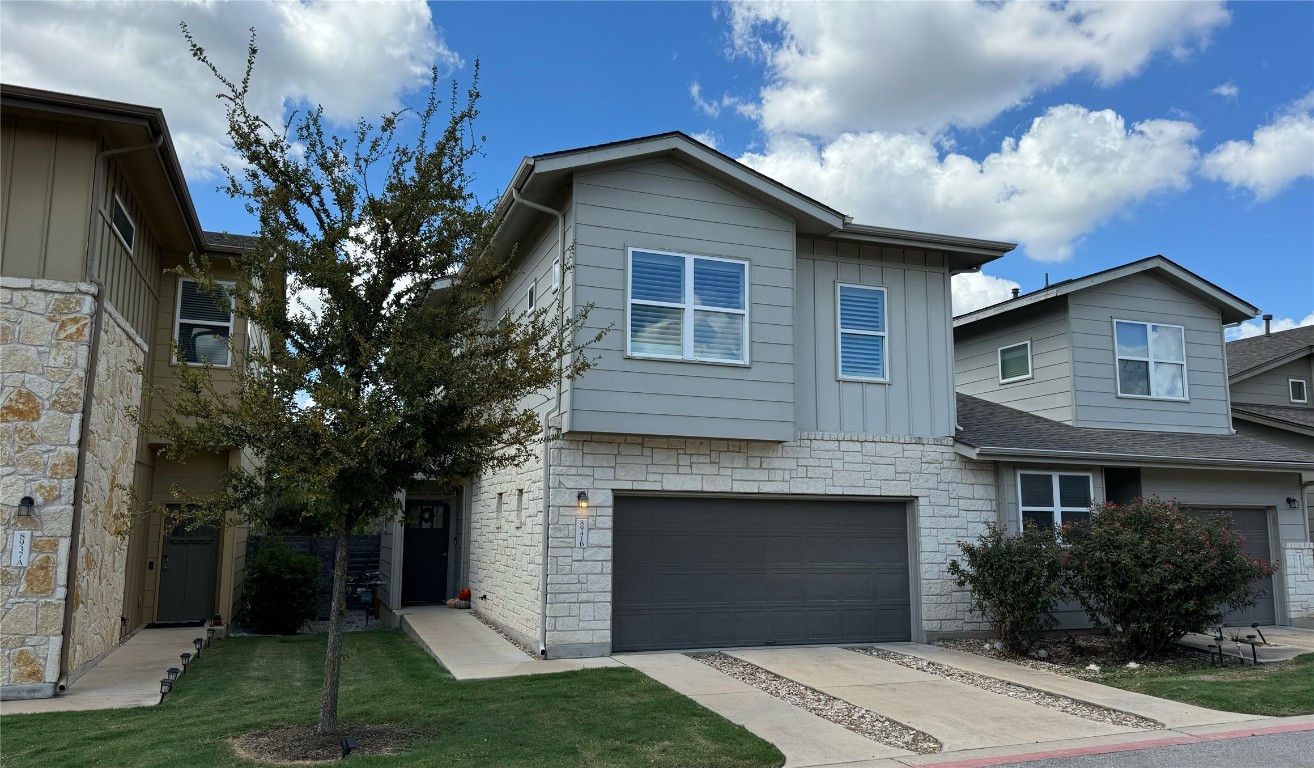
<point>280,589</point>
<point>1016,582</point>
<point>1148,573</point>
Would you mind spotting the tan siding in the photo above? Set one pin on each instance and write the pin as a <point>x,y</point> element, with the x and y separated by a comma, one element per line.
<point>46,182</point>
<point>131,279</point>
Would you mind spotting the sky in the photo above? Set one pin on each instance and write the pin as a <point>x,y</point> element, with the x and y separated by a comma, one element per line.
<point>1092,134</point>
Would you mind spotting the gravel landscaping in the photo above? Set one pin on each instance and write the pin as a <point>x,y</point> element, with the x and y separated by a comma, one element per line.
<point>507,637</point>
<point>861,721</point>
<point>1013,690</point>
<point>1072,655</point>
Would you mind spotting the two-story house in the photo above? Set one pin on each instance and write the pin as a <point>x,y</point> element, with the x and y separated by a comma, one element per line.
<point>764,451</point>
<point>1116,385</point>
<point>93,209</point>
<point>1270,377</point>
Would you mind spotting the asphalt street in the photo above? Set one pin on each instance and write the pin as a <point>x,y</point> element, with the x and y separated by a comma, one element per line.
<point>1283,750</point>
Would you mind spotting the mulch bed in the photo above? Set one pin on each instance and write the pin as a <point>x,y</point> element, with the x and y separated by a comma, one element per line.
<point>305,745</point>
<point>1068,655</point>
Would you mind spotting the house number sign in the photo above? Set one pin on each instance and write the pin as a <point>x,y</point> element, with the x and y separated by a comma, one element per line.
<point>582,532</point>
<point>21,550</point>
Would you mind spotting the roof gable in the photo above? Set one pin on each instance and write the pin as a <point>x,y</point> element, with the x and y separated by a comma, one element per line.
<point>1252,356</point>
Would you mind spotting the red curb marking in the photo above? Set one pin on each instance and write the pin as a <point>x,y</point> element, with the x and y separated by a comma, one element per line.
<point>1170,741</point>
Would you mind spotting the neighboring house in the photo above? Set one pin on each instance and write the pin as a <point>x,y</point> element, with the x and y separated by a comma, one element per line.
<point>1271,377</point>
<point>1115,385</point>
<point>763,453</point>
<point>94,208</point>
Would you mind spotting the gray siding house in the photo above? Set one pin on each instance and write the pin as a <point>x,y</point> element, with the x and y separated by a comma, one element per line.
<point>764,451</point>
<point>1114,386</point>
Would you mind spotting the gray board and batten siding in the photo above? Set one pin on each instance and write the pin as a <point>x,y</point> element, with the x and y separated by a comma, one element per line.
<point>1272,387</point>
<point>1048,392</point>
<point>918,397</point>
<point>1142,297</point>
<point>666,206</point>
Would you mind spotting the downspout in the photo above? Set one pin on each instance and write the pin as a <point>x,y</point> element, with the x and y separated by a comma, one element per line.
<point>88,398</point>
<point>547,416</point>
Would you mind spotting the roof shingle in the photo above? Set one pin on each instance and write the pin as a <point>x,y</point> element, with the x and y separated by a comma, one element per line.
<point>1294,415</point>
<point>1245,354</point>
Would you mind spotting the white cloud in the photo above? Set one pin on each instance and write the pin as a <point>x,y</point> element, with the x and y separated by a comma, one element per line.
<point>353,58</point>
<point>1073,169</point>
<point>709,138</point>
<point>974,290</point>
<point>1252,328</point>
<point>713,107</point>
<point>1278,154</point>
<point>907,66</point>
<point>1227,90</point>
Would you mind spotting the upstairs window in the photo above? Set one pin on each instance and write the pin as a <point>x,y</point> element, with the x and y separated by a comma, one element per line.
<point>862,336</point>
<point>1015,363</point>
<point>533,287</point>
<point>204,323</point>
<point>556,273</point>
<point>122,225</point>
<point>1151,360</point>
<point>1053,499</point>
<point>1299,390</point>
<point>684,307</point>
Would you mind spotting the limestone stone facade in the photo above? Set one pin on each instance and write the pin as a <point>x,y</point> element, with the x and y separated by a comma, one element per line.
<point>1298,575</point>
<point>953,499</point>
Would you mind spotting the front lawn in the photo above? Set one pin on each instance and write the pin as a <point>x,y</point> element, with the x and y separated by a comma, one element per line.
<point>600,717</point>
<point>1276,688</point>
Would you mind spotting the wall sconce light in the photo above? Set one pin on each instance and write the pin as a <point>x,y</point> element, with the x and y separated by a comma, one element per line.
<point>1293,502</point>
<point>25,506</point>
<point>582,500</point>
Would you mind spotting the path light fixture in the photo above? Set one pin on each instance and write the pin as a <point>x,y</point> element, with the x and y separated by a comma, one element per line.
<point>582,499</point>
<point>173,673</point>
<point>209,635</point>
<point>1262,639</point>
<point>186,659</point>
<point>25,506</point>
<point>166,685</point>
<point>348,744</point>
<point>198,642</point>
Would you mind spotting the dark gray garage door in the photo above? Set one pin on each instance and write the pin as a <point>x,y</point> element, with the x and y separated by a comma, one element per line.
<point>704,572</point>
<point>1253,525</point>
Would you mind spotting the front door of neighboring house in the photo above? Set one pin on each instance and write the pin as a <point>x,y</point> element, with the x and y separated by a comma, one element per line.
<point>1252,524</point>
<point>424,550</point>
<point>188,570</point>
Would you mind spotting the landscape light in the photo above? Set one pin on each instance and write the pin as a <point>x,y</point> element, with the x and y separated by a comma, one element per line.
<point>186,659</point>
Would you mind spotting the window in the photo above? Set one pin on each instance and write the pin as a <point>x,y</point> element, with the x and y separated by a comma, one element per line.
<point>1151,360</point>
<point>122,225</point>
<point>1051,499</point>
<point>204,325</point>
<point>533,286</point>
<point>1015,362</point>
<point>687,307</point>
<point>1299,390</point>
<point>861,319</point>
<point>556,273</point>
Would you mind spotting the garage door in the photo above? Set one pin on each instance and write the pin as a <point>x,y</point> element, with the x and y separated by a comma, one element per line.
<point>706,572</point>
<point>1253,525</point>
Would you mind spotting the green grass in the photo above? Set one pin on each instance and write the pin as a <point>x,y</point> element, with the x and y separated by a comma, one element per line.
<point>598,717</point>
<point>1276,689</point>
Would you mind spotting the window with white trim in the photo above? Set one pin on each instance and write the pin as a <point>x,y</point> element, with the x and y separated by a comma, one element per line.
<point>1053,499</point>
<point>684,307</point>
<point>533,287</point>
<point>556,273</point>
<point>1151,360</point>
<point>122,224</point>
<point>202,325</point>
<point>860,317</point>
<point>1015,362</point>
<point>1299,390</point>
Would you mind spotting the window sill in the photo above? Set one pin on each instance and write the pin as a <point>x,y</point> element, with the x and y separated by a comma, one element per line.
<point>694,361</point>
<point>1017,379</point>
<point>1152,397</point>
<point>861,380</point>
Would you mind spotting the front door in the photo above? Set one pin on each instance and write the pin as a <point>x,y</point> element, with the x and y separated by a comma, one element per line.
<point>188,569</point>
<point>424,551</point>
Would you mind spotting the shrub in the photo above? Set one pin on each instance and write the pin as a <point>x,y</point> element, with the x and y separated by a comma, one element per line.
<point>1016,582</point>
<point>1148,573</point>
<point>280,589</point>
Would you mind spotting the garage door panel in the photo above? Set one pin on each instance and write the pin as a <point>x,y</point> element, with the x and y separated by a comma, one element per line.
<point>705,572</point>
<point>1252,524</point>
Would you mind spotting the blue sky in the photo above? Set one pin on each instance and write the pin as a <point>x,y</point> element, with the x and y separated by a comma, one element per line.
<point>1091,134</point>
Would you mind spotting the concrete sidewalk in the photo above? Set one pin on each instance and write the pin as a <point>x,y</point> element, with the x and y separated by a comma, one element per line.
<point>129,676</point>
<point>1286,643</point>
<point>470,650</point>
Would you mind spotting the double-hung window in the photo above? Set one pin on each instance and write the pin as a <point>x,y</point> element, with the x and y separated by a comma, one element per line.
<point>204,323</point>
<point>1299,390</point>
<point>1015,362</point>
<point>684,307</point>
<point>1151,360</point>
<point>1052,499</point>
<point>862,335</point>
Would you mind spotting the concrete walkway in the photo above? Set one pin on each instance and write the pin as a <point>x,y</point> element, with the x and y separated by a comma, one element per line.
<point>470,650</point>
<point>1286,643</point>
<point>129,676</point>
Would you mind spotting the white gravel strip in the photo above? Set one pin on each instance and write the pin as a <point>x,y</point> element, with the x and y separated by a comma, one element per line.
<point>1014,691</point>
<point>861,721</point>
<point>506,637</point>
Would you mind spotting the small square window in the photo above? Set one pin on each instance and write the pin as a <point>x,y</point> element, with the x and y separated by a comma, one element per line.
<point>1015,362</point>
<point>1299,390</point>
<point>122,225</point>
<point>533,286</point>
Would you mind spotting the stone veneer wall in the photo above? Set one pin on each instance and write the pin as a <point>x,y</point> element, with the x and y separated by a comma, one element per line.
<point>1298,573</point>
<point>506,549</point>
<point>45,334</point>
<point>954,497</point>
<point>110,464</point>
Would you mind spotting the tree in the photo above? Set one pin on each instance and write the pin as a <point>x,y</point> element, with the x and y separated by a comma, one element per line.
<point>406,375</point>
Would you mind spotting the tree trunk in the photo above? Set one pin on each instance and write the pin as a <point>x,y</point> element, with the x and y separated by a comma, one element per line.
<point>328,703</point>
